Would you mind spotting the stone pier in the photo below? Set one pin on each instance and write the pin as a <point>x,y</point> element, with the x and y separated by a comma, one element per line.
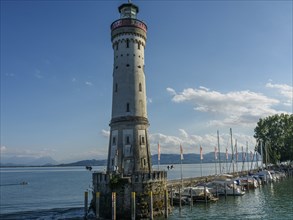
<point>140,183</point>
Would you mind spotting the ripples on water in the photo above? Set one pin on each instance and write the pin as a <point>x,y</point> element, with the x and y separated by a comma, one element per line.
<point>57,193</point>
<point>272,201</point>
<point>52,214</point>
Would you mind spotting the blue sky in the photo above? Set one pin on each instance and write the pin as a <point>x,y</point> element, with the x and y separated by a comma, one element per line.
<point>210,65</point>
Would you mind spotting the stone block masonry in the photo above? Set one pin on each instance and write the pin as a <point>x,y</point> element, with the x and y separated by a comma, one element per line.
<point>140,183</point>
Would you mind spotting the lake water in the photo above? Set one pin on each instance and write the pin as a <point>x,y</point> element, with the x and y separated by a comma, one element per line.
<point>58,193</point>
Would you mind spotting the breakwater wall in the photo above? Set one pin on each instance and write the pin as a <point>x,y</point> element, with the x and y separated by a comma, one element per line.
<point>191,181</point>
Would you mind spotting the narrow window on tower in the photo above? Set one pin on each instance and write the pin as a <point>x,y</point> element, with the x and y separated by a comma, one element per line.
<point>139,87</point>
<point>116,87</point>
<point>127,107</point>
<point>127,43</point>
<point>127,140</point>
<point>114,141</point>
<point>138,45</point>
<point>142,140</point>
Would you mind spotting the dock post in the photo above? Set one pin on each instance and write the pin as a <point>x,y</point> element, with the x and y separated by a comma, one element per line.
<point>133,208</point>
<point>217,191</point>
<point>98,204</point>
<point>151,205</point>
<point>205,194</point>
<point>113,205</point>
<point>225,185</point>
<point>180,205</point>
<point>247,185</point>
<point>166,202</point>
<point>85,202</point>
<point>171,196</point>
<point>191,198</point>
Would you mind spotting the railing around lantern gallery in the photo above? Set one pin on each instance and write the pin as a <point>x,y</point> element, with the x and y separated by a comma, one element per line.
<point>128,22</point>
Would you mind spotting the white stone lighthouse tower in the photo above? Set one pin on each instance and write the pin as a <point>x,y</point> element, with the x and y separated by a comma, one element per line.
<point>129,149</point>
<point>129,181</point>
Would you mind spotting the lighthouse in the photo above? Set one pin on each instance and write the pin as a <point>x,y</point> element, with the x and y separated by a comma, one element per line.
<point>129,149</point>
<point>129,180</point>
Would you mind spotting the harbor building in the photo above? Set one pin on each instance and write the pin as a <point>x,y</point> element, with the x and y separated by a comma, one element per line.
<point>130,183</point>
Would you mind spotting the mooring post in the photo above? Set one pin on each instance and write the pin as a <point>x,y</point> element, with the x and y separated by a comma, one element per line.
<point>225,185</point>
<point>85,202</point>
<point>166,203</point>
<point>98,204</point>
<point>247,185</point>
<point>171,196</point>
<point>217,191</point>
<point>205,194</point>
<point>151,205</point>
<point>191,198</point>
<point>113,205</point>
<point>180,205</point>
<point>133,211</point>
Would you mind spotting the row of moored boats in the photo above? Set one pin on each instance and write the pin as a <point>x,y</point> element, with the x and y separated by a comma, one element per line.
<point>223,185</point>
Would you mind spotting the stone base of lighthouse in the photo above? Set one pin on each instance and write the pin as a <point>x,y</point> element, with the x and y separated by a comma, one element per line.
<point>140,183</point>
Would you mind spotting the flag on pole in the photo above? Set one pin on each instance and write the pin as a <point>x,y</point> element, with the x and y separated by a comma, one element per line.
<point>226,153</point>
<point>181,152</point>
<point>216,153</point>
<point>201,156</point>
<point>159,152</point>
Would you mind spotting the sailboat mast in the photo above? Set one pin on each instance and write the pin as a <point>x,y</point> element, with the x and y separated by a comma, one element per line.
<point>261,152</point>
<point>220,165</point>
<point>232,149</point>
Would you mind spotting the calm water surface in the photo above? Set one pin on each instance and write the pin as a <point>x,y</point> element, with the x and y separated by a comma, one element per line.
<point>58,193</point>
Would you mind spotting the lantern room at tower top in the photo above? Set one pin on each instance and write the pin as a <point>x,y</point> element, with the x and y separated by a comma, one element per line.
<point>128,18</point>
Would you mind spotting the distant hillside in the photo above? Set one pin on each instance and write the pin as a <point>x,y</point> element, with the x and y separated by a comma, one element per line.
<point>192,158</point>
<point>187,158</point>
<point>27,161</point>
<point>86,163</point>
<point>165,159</point>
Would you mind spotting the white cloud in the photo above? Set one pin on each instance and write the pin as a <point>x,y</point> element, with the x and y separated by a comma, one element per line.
<point>98,154</point>
<point>283,89</point>
<point>149,100</point>
<point>38,74</point>
<point>105,133</point>
<point>236,107</point>
<point>2,149</point>
<point>73,79</point>
<point>171,91</point>
<point>192,142</point>
<point>88,83</point>
<point>183,133</point>
<point>25,152</point>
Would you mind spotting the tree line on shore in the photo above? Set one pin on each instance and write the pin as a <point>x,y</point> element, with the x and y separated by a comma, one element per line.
<point>274,134</point>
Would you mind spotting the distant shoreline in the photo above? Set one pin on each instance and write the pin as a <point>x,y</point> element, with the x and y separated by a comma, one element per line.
<point>165,159</point>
